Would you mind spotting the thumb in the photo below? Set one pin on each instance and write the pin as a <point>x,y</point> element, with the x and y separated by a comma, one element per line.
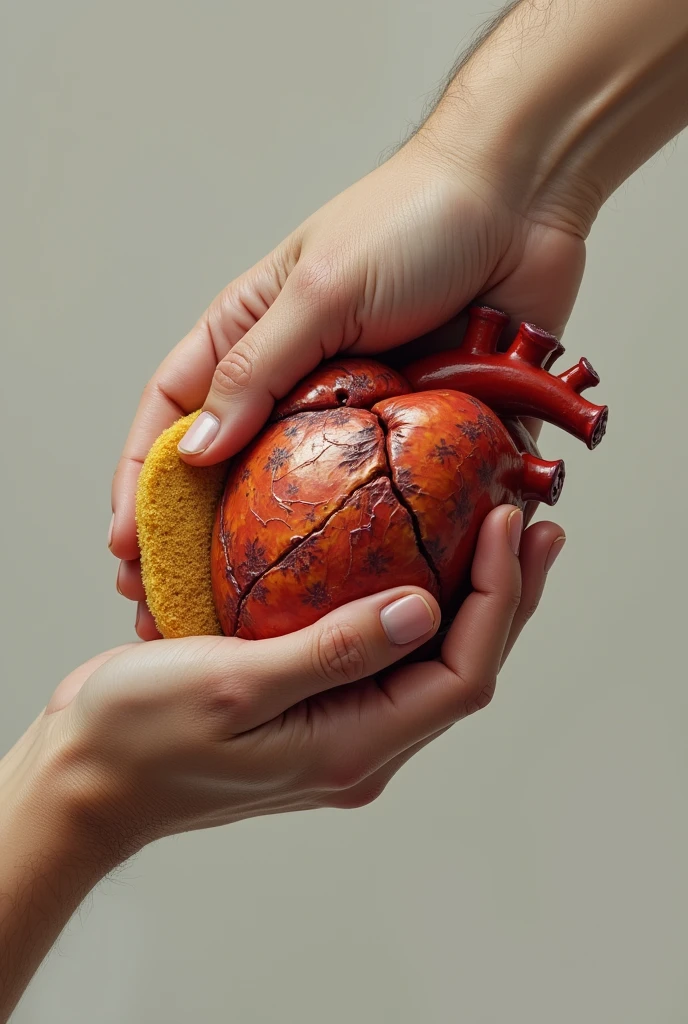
<point>253,681</point>
<point>288,341</point>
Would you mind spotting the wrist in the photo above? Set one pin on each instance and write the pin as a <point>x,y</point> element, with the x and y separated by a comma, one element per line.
<point>46,813</point>
<point>46,869</point>
<point>556,110</point>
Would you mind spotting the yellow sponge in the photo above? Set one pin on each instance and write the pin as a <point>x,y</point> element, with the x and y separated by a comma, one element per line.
<point>175,512</point>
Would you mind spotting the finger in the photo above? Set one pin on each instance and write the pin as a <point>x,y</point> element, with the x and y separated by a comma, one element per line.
<point>129,581</point>
<point>181,383</point>
<point>371,787</point>
<point>415,701</point>
<point>541,545</point>
<point>301,328</point>
<point>145,624</point>
<point>255,681</point>
<point>243,684</point>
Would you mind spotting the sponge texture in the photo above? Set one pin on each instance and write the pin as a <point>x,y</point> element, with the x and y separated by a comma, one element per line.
<point>176,506</point>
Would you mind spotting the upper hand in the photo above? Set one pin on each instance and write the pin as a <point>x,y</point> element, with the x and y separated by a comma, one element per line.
<point>391,258</point>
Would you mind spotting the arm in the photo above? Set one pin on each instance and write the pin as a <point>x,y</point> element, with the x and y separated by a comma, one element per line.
<point>561,102</point>
<point>46,868</point>
<point>492,197</point>
<point>156,739</point>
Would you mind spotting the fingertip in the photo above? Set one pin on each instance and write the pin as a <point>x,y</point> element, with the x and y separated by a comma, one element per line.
<point>501,532</point>
<point>496,569</point>
<point>145,624</point>
<point>123,539</point>
<point>228,432</point>
<point>555,550</point>
<point>499,516</point>
<point>200,435</point>
<point>122,535</point>
<point>409,619</point>
<point>514,529</point>
<point>538,541</point>
<point>129,581</point>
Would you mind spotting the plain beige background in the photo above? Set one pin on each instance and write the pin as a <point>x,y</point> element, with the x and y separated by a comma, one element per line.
<point>530,866</point>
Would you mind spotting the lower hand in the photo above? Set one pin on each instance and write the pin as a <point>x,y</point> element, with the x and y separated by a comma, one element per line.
<point>169,736</point>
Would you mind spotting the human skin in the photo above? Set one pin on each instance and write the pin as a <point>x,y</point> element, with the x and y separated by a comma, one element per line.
<point>492,197</point>
<point>158,738</point>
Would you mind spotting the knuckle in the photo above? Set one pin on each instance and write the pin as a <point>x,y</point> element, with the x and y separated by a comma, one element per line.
<point>358,796</point>
<point>512,600</point>
<point>339,654</point>
<point>234,704</point>
<point>316,275</point>
<point>485,695</point>
<point>342,775</point>
<point>327,287</point>
<point>234,372</point>
<point>471,696</point>
<point>528,609</point>
<point>321,284</point>
<point>150,388</point>
<point>151,392</point>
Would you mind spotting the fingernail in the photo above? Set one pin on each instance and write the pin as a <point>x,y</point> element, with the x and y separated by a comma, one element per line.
<point>514,529</point>
<point>554,552</point>
<point>407,619</point>
<point>200,434</point>
<point>119,589</point>
<point>111,530</point>
<point>138,616</point>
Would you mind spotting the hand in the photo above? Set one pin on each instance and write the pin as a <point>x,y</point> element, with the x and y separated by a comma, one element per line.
<point>166,737</point>
<point>176,735</point>
<point>396,255</point>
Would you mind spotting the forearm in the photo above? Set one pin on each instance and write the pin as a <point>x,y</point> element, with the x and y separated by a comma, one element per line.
<point>45,869</point>
<point>563,101</point>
